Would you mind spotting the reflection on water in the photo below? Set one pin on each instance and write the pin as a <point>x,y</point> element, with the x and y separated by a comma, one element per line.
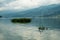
<point>11,31</point>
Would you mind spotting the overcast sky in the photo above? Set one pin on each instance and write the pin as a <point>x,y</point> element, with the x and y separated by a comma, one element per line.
<point>24,4</point>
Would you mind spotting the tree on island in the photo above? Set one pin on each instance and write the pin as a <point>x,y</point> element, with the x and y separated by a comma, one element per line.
<point>0,16</point>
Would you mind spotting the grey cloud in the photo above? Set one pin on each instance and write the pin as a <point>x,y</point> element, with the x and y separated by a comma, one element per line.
<point>2,3</point>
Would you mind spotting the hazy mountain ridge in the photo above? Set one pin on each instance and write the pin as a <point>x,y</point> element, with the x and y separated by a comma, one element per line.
<point>45,11</point>
<point>51,10</point>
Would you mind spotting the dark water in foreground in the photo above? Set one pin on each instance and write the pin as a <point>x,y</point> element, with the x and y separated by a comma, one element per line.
<point>12,31</point>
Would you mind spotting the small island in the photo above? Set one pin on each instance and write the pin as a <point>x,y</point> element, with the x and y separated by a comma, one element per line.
<point>21,20</point>
<point>0,16</point>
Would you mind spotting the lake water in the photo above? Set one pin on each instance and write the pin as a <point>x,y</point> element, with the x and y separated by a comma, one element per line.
<point>18,31</point>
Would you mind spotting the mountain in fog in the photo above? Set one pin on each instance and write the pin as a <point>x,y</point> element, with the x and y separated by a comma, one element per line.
<point>45,11</point>
<point>50,10</point>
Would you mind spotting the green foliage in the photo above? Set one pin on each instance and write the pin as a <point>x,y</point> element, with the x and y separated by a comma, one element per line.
<point>21,20</point>
<point>0,16</point>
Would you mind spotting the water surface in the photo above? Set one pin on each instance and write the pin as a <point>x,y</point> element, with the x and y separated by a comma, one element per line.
<point>18,31</point>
